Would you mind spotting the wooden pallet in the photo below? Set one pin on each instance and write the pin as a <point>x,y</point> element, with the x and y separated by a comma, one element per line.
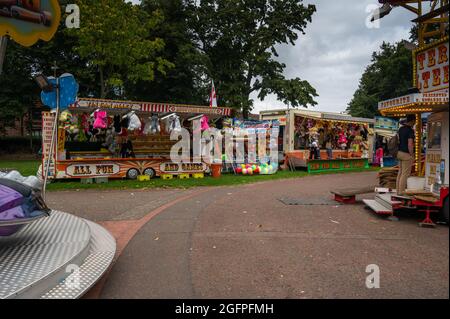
<point>348,195</point>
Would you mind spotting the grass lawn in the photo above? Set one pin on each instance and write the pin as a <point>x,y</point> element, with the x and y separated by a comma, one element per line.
<point>30,168</point>
<point>26,167</point>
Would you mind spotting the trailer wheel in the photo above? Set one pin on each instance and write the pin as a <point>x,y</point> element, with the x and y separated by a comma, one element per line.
<point>445,210</point>
<point>132,173</point>
<point>150,172</point>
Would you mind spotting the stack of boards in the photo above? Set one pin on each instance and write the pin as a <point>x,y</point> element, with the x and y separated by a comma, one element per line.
<point>423,195</point>
<point>387,177</point>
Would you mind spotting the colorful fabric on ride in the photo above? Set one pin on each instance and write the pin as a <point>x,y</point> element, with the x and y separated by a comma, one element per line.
<point>18,200</point>
<point>9,199</point>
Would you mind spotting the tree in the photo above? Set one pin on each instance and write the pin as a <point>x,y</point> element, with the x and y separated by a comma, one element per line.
<point>17,89</point>
<point>389,75</point>
<point>114,39</point>
<point>19,92</point>
<point>239,39</point>
<point>184,83</point>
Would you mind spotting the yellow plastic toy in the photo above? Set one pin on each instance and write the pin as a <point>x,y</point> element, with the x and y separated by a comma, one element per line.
<point>143,178</point>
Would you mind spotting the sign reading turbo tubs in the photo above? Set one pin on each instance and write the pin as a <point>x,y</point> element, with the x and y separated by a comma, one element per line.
<point>431,66</point>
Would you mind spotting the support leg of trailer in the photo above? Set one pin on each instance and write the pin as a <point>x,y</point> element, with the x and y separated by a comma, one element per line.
<point>428,222</point>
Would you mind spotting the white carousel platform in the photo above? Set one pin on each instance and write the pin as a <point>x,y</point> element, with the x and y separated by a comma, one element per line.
<point>57,257</point>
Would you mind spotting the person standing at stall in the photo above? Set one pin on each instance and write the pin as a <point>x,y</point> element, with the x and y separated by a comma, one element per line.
<point>405,153</point>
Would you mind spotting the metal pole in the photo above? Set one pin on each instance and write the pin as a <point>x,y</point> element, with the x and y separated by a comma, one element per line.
<point>52,144</point>
<point>419,144</point>
<point>3,43</point>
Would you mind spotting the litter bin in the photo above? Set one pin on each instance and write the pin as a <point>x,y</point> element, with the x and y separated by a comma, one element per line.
<point>216,170</point>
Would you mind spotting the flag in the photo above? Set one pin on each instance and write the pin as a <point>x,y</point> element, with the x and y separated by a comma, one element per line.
<point>213,96</point>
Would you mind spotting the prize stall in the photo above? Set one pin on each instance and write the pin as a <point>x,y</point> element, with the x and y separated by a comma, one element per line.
<point>384,129</point>
<point>320,141</point>
<point>432,171</point>
<point>121,139</point>
<point>253,146</point>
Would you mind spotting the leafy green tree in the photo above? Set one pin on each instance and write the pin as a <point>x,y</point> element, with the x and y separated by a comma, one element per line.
<point>17,89</point>
<point>184,83</point>
<point>114,38</point>
<point>239,39</point>
<point>388,75</point>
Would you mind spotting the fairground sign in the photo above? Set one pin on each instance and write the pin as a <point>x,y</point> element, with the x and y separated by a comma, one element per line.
<point>150,107</point>
<point>437,98</point>
<point>431,67</point>
<point>27,21</point>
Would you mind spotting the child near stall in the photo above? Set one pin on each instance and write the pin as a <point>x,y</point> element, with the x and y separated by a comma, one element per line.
<point>329,148</point>
<point>314,150</point>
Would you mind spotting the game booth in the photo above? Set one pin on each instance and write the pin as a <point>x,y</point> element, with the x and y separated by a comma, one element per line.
<point>253,148</point>
<point>385,128</point>
<point>428,188</point>
<point>100,139</point>
<point>320,141</point>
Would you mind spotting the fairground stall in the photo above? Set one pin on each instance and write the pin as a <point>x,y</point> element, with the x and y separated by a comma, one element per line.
<point>253,147</point>
<point>384,129</point>
<point>321,141</point>
<point>428,189</point>
<point>122,139</point>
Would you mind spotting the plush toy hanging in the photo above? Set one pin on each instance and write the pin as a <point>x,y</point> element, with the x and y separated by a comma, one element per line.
<point>174,123</point>
<point>204,123</point>
<point>64,119</point>
<point>117,124</point>
<point>154,127</point>
<point>69,124</point>
<point>100,119</point>
<point>148,127</point>
<point>342,141</point>
<point>84,122</point>
<point>227,123</point>
<point>356,144</point>
<point>110,141</point>
<point>134,123</point>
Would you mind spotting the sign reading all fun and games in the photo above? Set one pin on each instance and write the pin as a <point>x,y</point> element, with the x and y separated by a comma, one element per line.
<point>431,67</point>
<point>27,21</point>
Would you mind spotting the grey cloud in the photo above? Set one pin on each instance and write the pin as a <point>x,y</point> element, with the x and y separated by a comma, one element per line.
<point>336,49</point>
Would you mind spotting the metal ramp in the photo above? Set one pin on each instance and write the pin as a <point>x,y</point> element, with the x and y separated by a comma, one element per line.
<point>61,256</point>
<point>382,204</point>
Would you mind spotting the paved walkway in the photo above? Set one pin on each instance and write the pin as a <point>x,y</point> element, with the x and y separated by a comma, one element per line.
<point>243,242</point>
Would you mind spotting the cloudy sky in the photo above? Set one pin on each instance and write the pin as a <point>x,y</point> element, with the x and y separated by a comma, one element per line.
<point>336,49</point>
